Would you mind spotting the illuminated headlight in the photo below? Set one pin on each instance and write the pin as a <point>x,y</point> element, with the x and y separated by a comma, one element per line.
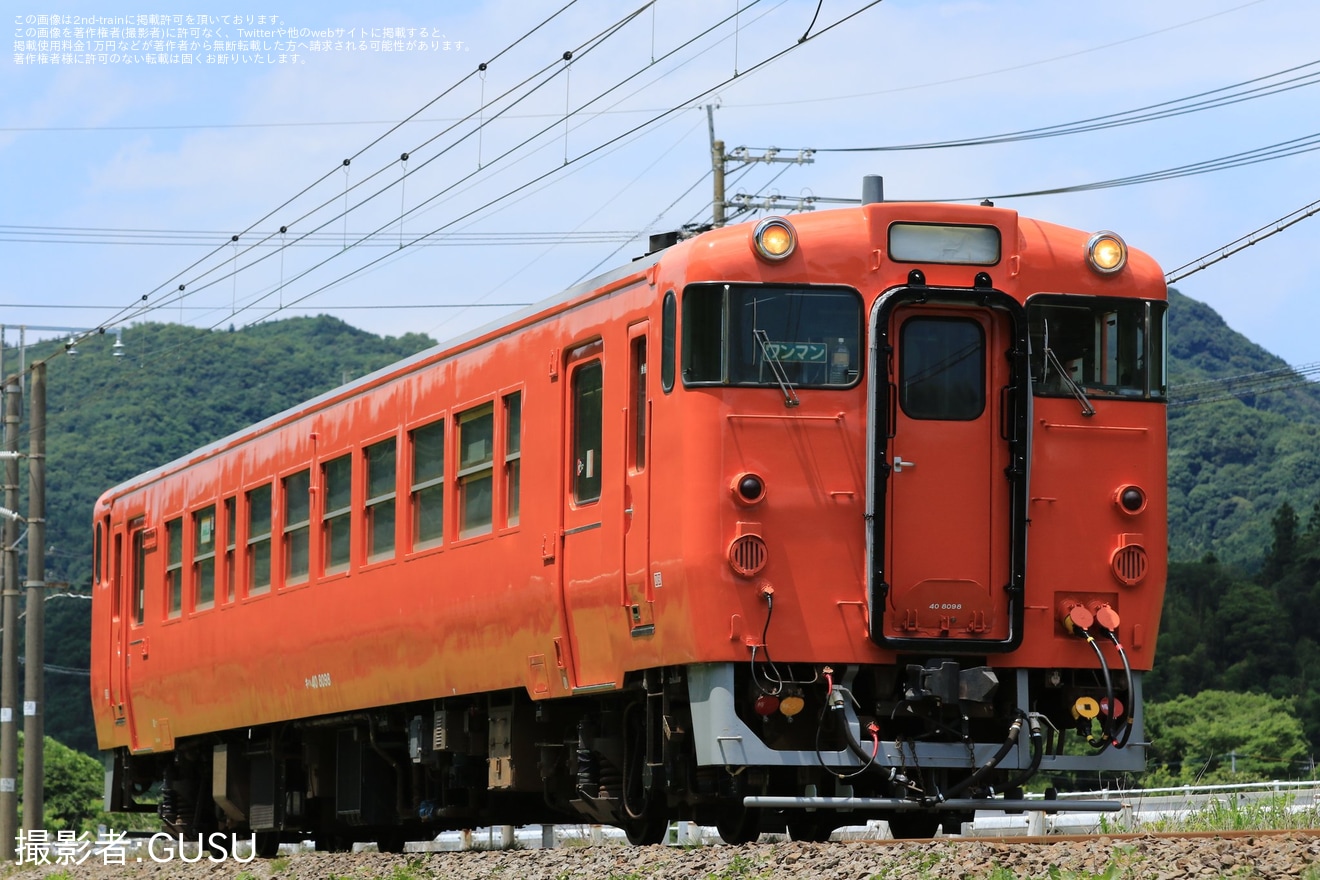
<point>1106,253</point>
<point>774,239</point>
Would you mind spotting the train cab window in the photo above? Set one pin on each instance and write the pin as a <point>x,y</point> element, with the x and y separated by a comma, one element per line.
<point>96,554</point>
<point>809,337</point>
<point>1097,346</point>
<point>668,341</point>
<point>512,457</point>
<point>428,485</point>
<point>231,543</point>
<point>381,493</point>
<point>258,540</point>
<point>174,568</point>
<point>296,542</point>
<point>203,561</point>
<point>587,432</point>
<point>476,470</point>
<point>942,369</point>
<point>337,518</point>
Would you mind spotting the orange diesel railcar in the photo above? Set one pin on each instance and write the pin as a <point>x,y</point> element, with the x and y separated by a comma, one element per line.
<point>862,510</point>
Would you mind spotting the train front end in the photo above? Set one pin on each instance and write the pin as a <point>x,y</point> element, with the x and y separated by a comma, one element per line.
<point>939,434</point>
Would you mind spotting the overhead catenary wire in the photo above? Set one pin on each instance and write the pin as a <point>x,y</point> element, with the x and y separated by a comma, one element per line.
<point>778,102</point>
<point>586,46</point>
<point>704,92</point>
<point>639,134</point>
<point>1244,385</point>
<point>1148,113</point>
<point>1246,241</point>
<point>1270,152</point>
<point>439,239</point>
<point>418,239</point>
<point>328,173</point>
<point>191,238</point>
<point>664,152</point>
<point>700,180</point>
<point>1242,95</point>
<point>556,67</point>
<point>553,126</point>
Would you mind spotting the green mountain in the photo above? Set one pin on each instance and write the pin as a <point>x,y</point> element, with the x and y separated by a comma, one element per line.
<point>1244,438</point>
<point>173,389</point>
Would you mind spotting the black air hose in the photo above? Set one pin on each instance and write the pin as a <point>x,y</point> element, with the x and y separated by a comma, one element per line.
<point>1014,730</point>
<point>1037,752</point>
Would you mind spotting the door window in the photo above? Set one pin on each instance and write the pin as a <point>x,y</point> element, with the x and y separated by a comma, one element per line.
<point>586,464</point>
<point>942,369</point>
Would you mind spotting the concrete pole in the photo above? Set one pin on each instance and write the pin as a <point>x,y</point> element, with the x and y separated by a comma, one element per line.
<point>717,166</point>
<point>34,691</point>
<point>9,640</point>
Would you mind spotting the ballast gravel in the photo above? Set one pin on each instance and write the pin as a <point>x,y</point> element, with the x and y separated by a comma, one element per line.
<point>1291,855</point>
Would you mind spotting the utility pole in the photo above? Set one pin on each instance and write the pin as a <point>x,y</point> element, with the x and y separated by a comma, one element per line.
<point>719,165</point>
<point>9,639</point>
<point>34,691</point>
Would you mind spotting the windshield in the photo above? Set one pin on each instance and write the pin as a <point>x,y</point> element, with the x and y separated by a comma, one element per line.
<point>1101,346</point>
<point>750,334</point>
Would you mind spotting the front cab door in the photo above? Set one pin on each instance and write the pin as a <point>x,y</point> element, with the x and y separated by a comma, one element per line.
<point>948,474</point>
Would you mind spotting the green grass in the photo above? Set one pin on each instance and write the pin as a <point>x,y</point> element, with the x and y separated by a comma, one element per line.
<point>739,867</point>
<point>1279,812</point>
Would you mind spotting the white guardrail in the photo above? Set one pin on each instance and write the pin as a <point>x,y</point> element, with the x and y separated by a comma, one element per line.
<point>1140,807</point>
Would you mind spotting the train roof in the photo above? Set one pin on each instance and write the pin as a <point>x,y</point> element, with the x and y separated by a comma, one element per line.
<point>436,353</point>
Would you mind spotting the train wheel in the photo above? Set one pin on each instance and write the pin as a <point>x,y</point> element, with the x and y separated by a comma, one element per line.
<point>738,825</point>
<point>809,827</point>
<point>646,821</point>
<point>391,841</point>
<point>914,824</point>
<point>329,841</point>
<point>267,844</point>
<point>646,830</point>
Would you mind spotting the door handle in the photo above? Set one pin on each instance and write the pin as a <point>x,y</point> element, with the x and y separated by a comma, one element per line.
<point>899,464</point>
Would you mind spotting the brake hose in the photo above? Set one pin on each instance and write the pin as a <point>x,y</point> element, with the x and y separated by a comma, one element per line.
<point>1106,714</point>
<point>1127,671</point>
<point>981,772</point>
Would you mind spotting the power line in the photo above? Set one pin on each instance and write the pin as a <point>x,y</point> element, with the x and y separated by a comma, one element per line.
<point>1176,107</point>
<point>1242,243</point>
<point>704,92</point>
<point>553,126</point>
<point>480,68</point>
<point>190,238</point>
<point>1280,150</point>
<point>1244,385</point>
<point>373,307</point>
<point>580,50</point>
<point>418,239</point>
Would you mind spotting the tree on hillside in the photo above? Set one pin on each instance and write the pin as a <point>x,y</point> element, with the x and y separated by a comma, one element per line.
<point>1283,549</point>
<point>1220,736</point>
<point>73,793</point>
<point>174,389</point>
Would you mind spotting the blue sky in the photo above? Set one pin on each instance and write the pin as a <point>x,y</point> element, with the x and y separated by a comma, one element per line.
<point>122,180</point>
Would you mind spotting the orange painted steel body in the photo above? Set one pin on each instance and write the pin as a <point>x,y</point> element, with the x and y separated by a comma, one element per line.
<point>573,595</point>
